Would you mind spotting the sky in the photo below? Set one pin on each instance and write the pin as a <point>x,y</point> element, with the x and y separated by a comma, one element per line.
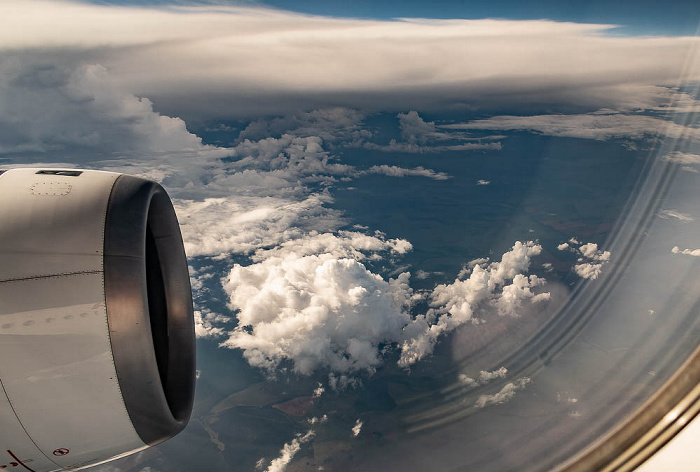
<point>677,17</point>
<point>256,117</point>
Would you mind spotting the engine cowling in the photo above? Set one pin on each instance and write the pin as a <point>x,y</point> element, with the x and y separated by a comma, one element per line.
<point>97,346</point>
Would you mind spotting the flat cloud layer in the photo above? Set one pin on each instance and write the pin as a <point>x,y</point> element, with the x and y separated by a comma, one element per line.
<point>598,126</point>
<point>245,61</point>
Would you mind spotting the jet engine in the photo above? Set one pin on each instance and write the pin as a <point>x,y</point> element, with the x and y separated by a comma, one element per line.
<point>97,346</point>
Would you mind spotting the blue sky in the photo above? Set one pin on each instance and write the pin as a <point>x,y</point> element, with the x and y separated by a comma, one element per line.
<point>673,17</point>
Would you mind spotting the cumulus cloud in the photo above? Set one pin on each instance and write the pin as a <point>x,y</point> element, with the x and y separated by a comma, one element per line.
<point>252,61</point>
<point>588,270</point>
<point>500,285</point>
<point>586,126</point>
<point>415,130</point>
<point>506,393</point>
<point>483,378</point>
<point>313,303</point>
<point>591,260</point>
<point>687,252</point>
<point>591,251</point>
<point>208,324</point>
<point>288,452</point>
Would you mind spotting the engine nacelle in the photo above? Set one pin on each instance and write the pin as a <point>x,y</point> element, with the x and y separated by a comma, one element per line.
<point>97,346</point>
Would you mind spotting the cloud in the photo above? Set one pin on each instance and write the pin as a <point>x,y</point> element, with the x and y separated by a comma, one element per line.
<point>329,124</point>
<point>483,378</point>
<point>687,252</point>
<point>668,214</point>
<point>413,148</point>
<point>288,452</point>
<point>500,285</point>
<point>415,130</point>
<point>252,61</point>
<point>586,126</point>
<point>588,270</point>
<point>591,251</point>
<point>316,420</point>
<point>82,113</point>
<point>395,171</point>
<point>242,224</point>
<point>689,162</point>
<point>205,324</point>
<point>683,158</point>
<point>591,259</point>
<point>357,428</point>
<point>467,268</point>
<point>506,393</point>
<point>311,303</point>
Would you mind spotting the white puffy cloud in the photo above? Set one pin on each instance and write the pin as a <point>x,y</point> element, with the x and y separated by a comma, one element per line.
<point>506,393</point>
<point>687,252</point>
<point>588,270</point>
<point>591,251</point>
<point>500,284</point>
<point>312,302</point>
<point>513,295</point>
<point>208,324</point>
<point>592,261</point>
<point>253,61</point>
<point>309,302</point>
<point>483,378</point>
<point>288,452</point>
<point>469,266</point>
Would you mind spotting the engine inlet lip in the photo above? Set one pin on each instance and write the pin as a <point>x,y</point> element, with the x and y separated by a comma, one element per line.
<point>149,308</point>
